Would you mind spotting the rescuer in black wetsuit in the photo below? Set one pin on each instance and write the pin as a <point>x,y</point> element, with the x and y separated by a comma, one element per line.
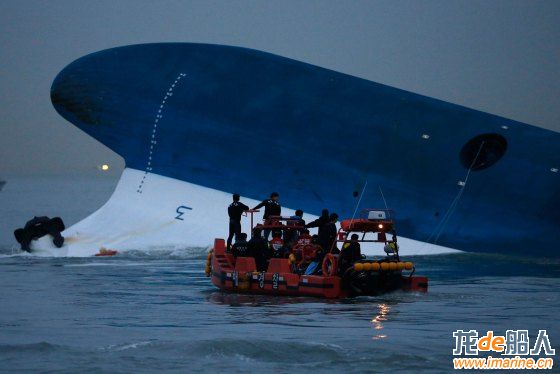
<point>39,227</point>
<point>260,249</point>
<point>320,222</point>
<point>241,248</point>
<point>271,208</point>
<point>235,210</point>
<point>327,235</point>
<point>350,254</point>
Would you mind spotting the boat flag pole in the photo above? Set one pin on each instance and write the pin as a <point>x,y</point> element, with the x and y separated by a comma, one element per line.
<point>251,211</point>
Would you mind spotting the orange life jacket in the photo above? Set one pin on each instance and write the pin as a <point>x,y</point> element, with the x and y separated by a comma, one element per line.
<point>276,244</point>
<point>303,239</point>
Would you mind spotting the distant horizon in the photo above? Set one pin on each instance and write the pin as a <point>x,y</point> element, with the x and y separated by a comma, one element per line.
<point>115,170</point>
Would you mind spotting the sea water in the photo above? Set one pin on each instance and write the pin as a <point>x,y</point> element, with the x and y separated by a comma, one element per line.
<point>146,311</point>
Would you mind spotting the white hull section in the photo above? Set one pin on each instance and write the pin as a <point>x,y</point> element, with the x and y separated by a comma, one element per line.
<point>167,214</point>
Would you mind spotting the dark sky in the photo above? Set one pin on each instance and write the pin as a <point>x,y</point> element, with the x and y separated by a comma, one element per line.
<point>501,57</point>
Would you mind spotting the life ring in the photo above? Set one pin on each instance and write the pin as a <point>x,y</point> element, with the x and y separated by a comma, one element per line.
<point>330,265</point>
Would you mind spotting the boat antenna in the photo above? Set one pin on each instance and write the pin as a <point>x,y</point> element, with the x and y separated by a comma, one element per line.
<point>383,197</point>
<point>358,203</point>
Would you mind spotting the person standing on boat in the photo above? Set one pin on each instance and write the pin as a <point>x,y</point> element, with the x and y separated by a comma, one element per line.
<point>298,217</point>
<point>320,222</point>
<point>327,235</point>
<point>291,236</point>
<point>271,208</point>
<point>235,210</point>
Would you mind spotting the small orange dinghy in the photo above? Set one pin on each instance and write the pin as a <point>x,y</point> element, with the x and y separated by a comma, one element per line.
<point>106,252</point>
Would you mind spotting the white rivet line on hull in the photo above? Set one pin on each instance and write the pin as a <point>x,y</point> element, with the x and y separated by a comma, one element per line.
<point>153,139</point>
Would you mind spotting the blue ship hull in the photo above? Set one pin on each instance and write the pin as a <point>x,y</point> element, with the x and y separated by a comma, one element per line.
<point>241,120</point>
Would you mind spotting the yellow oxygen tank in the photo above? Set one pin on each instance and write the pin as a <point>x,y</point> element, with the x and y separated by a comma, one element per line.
<point>292,258</point>
<point>243,281</point>
<point>208,267</point>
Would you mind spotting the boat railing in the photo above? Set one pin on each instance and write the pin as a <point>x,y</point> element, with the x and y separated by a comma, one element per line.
<point>251,212</point>
<point>276,222</point>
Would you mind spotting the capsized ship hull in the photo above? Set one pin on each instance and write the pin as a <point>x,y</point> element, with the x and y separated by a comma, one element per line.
<point>169,214</point>
<point>232,119</point>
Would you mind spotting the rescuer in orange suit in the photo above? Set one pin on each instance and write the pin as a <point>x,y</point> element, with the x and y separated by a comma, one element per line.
<point>277,244</point>
<point>315,265</point>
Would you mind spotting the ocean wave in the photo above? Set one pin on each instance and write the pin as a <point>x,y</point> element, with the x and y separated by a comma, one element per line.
<point>127,346</point>
<point>244,349</point>
<point>271,350</point>
<point>140,253</point>
<point>40,347</point>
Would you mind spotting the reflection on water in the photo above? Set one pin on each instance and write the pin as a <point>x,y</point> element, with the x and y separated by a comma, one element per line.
<point>383,311</point>
<point>235,299</point>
